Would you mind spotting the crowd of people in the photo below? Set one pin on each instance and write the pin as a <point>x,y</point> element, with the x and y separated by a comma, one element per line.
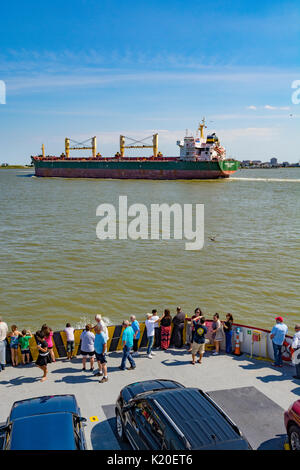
<point>159,332</point>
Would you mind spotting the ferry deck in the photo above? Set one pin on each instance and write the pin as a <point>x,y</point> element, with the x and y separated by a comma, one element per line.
<point>252,392</point>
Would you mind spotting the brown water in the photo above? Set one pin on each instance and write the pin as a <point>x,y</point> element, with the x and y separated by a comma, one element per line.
<point>54,269</point>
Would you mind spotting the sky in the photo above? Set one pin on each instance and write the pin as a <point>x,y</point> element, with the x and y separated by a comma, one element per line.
<point>80,68</point>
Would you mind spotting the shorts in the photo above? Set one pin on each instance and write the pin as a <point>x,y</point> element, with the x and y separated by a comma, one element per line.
<point>101,358</point>
<point>25,351</point>
<point>70,346</point>
<point>84,353</point>
<point>198,347</point>
<point>43,360</point>
<point>14,346</point>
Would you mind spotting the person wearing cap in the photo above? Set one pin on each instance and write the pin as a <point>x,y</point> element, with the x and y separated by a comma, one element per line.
<point>296,348</point>
<point>277,336</point>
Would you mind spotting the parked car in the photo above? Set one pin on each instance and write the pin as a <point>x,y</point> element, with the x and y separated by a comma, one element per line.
<point>163,414</point>
<point>292,424</point>
<point>44,423</point>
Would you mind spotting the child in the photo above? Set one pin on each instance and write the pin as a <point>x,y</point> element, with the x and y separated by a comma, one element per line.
<point>24,345</point>
<point>43,358</point>
<point>69,330</point>
<point>14,344</point>
<point>48,335</point>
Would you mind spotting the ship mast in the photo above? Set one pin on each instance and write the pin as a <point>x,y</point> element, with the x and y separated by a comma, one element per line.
<point>201,127</point>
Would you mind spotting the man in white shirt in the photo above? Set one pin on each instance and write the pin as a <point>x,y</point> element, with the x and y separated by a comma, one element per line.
<point>3,334</point>
<point>101,325</point>
<point>156,329</point>
<point>150,325</point>
<point>296,354</point>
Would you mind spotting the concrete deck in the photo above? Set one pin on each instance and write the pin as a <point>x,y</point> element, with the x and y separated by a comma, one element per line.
<point>252,392</point>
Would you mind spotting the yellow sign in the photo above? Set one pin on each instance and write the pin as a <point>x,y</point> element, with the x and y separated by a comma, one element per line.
<point>94,418</point>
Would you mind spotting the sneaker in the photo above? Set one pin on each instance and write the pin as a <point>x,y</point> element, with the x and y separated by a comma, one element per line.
<point>215,354</point>
<point>98,374</point>
<point>91,369</point>
<point>131,367</point>
<point>104,379</point>
<point>83,369</point>
<point>153,353</point>
<point>150,357</point>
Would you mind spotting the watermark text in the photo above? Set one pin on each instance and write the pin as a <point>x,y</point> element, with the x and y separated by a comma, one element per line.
<point>2,92</point>
<point>161,221</point>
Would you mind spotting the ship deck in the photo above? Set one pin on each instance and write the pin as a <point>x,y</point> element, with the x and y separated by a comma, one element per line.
<point>252,392</point>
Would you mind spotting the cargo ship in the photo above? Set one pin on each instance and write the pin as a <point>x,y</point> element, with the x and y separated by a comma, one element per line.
<point>200,158</point>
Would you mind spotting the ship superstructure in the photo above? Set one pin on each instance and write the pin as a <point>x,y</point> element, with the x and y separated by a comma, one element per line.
<point>201,148</point>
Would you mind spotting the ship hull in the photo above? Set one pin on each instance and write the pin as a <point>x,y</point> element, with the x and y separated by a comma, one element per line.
<point>137,169</point>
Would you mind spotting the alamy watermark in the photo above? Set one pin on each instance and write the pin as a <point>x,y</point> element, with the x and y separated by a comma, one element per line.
<point>138,222</point>
<point>2,92</point>
<point>296,93</point>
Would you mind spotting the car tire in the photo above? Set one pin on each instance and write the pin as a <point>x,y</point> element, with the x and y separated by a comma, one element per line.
<point>120,427</point>
<point>294,437</point>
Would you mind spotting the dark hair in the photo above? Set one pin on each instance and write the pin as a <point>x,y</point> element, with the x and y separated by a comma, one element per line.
<point>88,327</point>
<point>202,320</point>
<point>230,316</point>
<point>40,334</point>
<point>68,325</point>
<point>154,310</point>
<point>46,331</point>
<point>217,315</point>
<point>14,327</point>
<point>167,312</point>
<point>23,332</point>
<point>198,308</point>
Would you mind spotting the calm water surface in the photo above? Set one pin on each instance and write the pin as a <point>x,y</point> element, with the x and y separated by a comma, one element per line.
<point>54,269</point>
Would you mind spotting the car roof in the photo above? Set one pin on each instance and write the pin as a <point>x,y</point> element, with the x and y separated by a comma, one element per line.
<point>197,417</point>
<point>45,404</point>
<point>53,431</point>
<point>136,388</point>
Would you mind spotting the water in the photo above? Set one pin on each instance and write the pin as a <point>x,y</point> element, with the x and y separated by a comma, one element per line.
<point>54,269</point>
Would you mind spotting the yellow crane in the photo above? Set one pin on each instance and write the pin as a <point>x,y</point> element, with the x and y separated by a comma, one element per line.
<point>81,146</point>
<point>138,144</point>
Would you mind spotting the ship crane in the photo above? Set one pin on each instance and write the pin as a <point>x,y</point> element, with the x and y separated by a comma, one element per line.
<point>81,146</point>
<point>138,144</point>
<point>201,127</point>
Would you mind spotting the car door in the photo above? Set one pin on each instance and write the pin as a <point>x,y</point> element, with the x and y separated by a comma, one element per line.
<point>145,428</point>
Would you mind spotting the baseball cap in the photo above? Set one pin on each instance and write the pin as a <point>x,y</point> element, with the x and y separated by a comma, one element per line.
<point>279,319</point>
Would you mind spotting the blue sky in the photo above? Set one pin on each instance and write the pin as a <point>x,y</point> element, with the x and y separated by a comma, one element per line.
<point>100,67</point>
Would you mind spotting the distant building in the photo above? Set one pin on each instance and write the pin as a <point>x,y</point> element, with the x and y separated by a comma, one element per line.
<point>285,164</point>
<point>4,164</point>
<point>274,161</point>
<point>256,162</point>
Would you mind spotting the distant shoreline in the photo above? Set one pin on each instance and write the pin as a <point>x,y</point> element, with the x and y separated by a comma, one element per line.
<point>7,167</point>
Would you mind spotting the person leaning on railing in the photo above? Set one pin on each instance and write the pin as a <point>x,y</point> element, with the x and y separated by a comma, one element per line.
<point>3,334</point>
<point>296,348</point>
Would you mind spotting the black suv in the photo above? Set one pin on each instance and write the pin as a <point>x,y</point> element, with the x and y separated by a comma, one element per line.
<point>163,414</point>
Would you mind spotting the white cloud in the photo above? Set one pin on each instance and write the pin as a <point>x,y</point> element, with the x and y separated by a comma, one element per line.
<point>282,108</point>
